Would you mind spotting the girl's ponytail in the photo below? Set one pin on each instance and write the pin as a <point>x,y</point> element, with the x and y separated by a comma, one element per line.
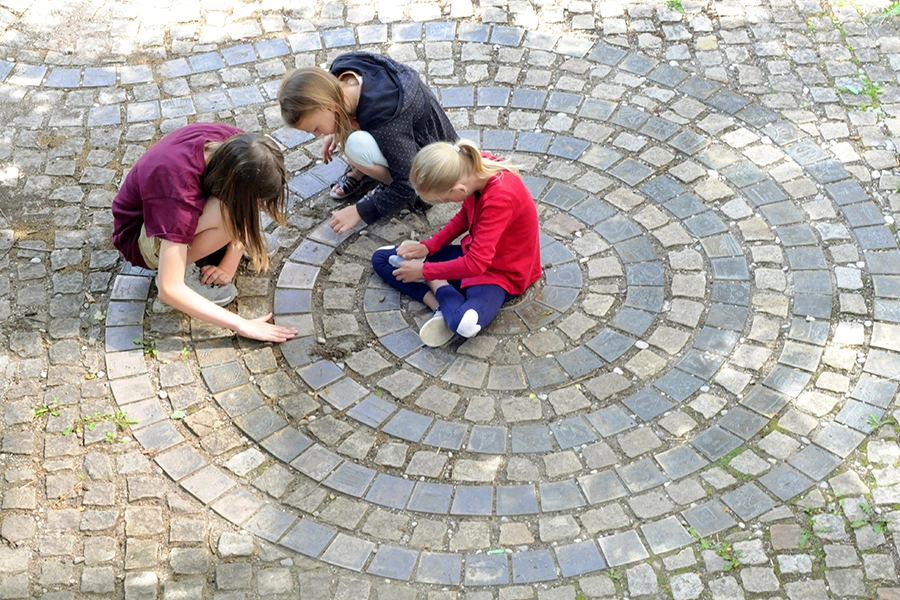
<point>439,166</point>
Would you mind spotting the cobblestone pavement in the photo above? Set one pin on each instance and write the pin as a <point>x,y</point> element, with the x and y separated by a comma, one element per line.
<point>696,401</point>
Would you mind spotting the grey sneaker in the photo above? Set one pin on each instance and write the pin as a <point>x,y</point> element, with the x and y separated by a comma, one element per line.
<point>434,332</point>
<point>217,294</point>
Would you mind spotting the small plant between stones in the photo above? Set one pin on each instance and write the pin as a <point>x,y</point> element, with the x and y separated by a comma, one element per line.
<point>675,5</point>
<point>148,346</point>
<point>725,550</point>
<point>119,419</point>
<point>46,409</point>
<point>876,423</point>
<point>879,523</point>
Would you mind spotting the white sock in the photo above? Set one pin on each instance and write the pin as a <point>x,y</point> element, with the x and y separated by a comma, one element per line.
<point>468,325</point>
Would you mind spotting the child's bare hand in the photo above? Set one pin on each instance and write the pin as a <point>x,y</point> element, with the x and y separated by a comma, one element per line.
<point>412,250</point>
<point>215,275</point>
<point>345,219</point>
<point>409,271</point>
<point>261,329</point>
<point>328,148</point>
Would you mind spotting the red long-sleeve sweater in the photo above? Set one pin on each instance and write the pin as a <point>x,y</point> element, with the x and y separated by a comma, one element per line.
<point>503,242</point>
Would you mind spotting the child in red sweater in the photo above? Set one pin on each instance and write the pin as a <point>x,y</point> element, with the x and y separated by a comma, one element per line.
<point>499,258</point>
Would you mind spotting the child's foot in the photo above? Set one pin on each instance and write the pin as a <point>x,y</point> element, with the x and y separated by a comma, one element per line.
<point>434,332</point>
<point>350,182</point>
<point>217,294</point>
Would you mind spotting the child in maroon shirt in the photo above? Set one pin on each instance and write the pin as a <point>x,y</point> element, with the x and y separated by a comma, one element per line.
<point>498,258</point>
<point>196,191</point>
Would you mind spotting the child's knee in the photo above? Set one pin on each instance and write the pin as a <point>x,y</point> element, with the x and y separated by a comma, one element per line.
<point>468,325</point>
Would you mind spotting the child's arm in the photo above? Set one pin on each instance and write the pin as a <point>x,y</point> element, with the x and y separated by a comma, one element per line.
<point>174,292</point>
<point>227,267</point>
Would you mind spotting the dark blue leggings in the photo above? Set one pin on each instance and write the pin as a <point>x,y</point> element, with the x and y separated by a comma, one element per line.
<point>482,300</point>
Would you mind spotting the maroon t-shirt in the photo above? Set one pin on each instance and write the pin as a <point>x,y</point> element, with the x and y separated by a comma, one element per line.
<point>162,190</point>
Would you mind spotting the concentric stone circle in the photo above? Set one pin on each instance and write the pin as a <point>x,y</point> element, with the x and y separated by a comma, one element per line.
<point>256,404</point>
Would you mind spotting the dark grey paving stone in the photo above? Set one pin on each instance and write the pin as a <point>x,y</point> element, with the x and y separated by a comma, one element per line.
<point>756,115</point>
<point>308,538</point>
<point>99,77</point>
<point>572,432</point>
<point>305,42</point>
<point>227,376</point>
<point>827,171</point>
<point>388,490</point>
<point>381,300</point>
<point>487,439</point>
<point>875,238</point>
<point>809,305</point>
<point>320,374</point>
<point>846,192</point>
<point>838,439</point>
<point>680,461</point>
<point>237,506</point>
<point>807,153</point>
<point>473,500</point>
<point>408,425</point>
<point>797,235</point>
<point>465,372</point>
<point>563,102</point>
<point>636,250</point>
<point>130,287</point>
<point>883,363</point>
<point>887,310</point>
<point>532,315</point>
<point>125,313</point>
<point>629,117</point>
<point>406,32</point>
<point>631,171</point>
<point>402,343</point>
<point>507,378</point>
<point>579,558</point>
<point>716,157</point>
<point>645,274</point>
<point>610,344</point>
<point>732,269</point>
<point>765,401</point>
<point>610,420</point>
<point>270,523</point>
<point>721,245</point>
<point>874,390</point>
<point>63,78</point>
<point>639,64</point>
<point>863,214</point>
<point>531,438</point>
<point>121,339</point>
<point>316,462</point>
<point>661,189</point>
<point>473,32</point>
<point>239,401</point>
<point>596,109</point>
<point>566,275</point>
<point>372,411</point>
<point>181,462</point>
<point>743,423</point>
<point>743,174</point>
<point>688,142</point>
<point>563,196</point>
<point>260,423</point>
<point>206,484</point>
<point>685,205</point>
<point>698,87</point>
<point>446,435</point>
<point>715,442</point>
<point>617,229</point>
<point>592,211</point>
<point>641,476</point>
<point>239,55</point>
<point>802,356</point>
<point>716,341</point>
<point>600,157</point>
<point>709,518</point>
<point>343,394</point>
<point>786,380</point>
<point>350,478</point>
<point>348,552</point>
<point>782,132</point>
<point>666,535</point>
<point>439,569</point>
<point>456,97</point>
<point>623,548</point>
<point>432,361</point>
<point>557,298</point>
<point>528,99</point>
<point>394,563</point>
<point>607,55</point>
<point>748,501</point>
<point>781,213</point>
<point>635,322</point>
<point>499,140</point>
<point>764,193</point>
<point>555,253</point>
<point>810,332</point>
<point>544,372</point>
<point>540,41</point>
<point>650,299</point>
<point>286,444</point>
<point>507,36</point>
<point>292,301</point>
<point>647,404</point>
<point>727,101</point>
<point>701,364</point>
<point>272,48</point>
<point>516,500</point>
<point>678,385</point>
<point>493,96</point>
<point>666,75</point>
<point>486,569</point>
<point>814,462</point>
<point>533,566</point>
<point>601,487</point>
<point>560,495</point>
<point>431,498</point>
<point>785,482</point>
<point>567,147</point>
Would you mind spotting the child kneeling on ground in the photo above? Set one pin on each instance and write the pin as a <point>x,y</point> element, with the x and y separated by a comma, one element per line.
<point>197,191</point>
<point>500,257</point>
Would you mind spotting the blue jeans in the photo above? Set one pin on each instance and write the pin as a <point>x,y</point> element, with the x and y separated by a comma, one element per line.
<point>466,311</point>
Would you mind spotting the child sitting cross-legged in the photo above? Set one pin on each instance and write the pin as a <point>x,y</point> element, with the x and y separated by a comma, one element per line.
<point>498,259</point>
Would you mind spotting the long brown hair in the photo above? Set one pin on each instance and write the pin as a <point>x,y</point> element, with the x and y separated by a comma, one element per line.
<point>307,89</point>
<point>246,173</point>
<point>440,165</point>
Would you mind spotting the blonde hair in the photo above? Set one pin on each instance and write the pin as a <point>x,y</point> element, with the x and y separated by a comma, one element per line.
<point>441,165</point>
<point>246,173</point>
<point>308,89</point>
